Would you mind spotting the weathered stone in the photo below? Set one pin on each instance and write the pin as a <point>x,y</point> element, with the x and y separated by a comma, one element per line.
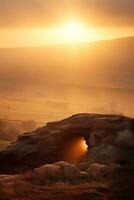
<point>58,170</point>
<point>83,174</point>
<point>106,136</point>
<point>48,170</point>
<point>98,171</point>
<point>83,166</point>
<point>125,138</point>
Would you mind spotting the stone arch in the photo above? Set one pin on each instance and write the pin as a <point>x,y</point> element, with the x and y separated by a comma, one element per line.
<point>49,143</point>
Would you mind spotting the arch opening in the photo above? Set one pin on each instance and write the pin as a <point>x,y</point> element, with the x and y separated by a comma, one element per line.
<point>75,150</point>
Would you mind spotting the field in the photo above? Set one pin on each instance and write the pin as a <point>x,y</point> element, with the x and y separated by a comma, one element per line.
<point>69,100</point>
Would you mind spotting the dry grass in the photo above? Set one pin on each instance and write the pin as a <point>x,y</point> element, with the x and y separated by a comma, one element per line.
<point>26,187</point>
<point>18,187</point>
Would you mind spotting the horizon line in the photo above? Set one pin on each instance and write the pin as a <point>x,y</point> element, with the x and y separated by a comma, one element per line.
<point>69,43</point>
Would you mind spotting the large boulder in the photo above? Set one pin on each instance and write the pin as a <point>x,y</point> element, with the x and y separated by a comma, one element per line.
<point>58,170</point>
<point>48,171</point>
<point>98,171</point>
<point>68,170</point>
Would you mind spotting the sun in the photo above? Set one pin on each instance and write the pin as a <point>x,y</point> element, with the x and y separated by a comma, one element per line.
<point>68,33</point>
<point>74,32</point>
<point>74,29</point>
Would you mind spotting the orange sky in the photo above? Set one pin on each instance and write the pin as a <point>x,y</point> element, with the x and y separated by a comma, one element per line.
<point>40,22</point>
<point>42,37</point>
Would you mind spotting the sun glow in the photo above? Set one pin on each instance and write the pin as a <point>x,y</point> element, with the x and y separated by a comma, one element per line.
<point>83,145</point>
<point>68,33</point>
<point>73,32</point>
<point>76,150</point>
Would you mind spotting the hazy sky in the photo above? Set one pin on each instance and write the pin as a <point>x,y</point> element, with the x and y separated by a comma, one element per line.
<point>35,13</point>
<point>19,16</point>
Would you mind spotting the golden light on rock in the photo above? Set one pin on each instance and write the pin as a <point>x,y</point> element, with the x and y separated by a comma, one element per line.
<point>76,150</point>
<point>83,145</point>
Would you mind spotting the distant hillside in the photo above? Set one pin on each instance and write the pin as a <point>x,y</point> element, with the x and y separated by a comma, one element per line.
<point>100,63</point>
<point>47,83</point>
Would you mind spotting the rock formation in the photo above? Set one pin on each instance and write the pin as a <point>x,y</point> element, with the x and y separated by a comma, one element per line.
<point>58,170</point>
<point>110,139</point>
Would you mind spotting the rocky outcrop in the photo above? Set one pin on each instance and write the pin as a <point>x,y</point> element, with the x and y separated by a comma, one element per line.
<point>98,171</point>
<point>110,139</point>
<point>59,170</point>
